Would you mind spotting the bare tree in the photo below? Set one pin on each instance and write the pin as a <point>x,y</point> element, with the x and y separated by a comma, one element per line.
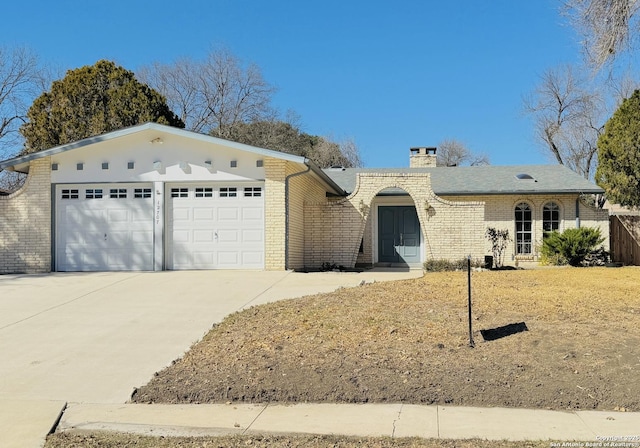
<point>21,80</point>
<point>452,152</point>
<point>327,152</point>
<point>351,152</point>
<point>568,118</point>
<point>621,88</point>
<point>608,27</point>
<point>212,95</point>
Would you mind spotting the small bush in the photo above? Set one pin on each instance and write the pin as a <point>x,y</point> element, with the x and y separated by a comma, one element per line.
<point>552,260</point>
<point>499,240</point>
<point>571,247</point>
<point>440,265</point>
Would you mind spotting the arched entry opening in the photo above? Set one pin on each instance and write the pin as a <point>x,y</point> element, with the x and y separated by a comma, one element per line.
<point>396,232</point>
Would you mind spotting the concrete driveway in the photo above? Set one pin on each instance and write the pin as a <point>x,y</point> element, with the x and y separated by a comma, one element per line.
<point>93,337</point>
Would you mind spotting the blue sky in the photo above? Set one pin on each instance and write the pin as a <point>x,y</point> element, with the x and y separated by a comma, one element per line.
<point>390,75</point>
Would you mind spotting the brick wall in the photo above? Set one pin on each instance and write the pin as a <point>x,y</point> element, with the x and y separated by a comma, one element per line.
<point>449,229</point>
<point>303,188</point>
<point>325,230</point>
<point>25,223</point>
<point>500,214</point>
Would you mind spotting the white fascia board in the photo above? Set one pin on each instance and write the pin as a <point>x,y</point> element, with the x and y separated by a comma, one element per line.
<point>19,162</point>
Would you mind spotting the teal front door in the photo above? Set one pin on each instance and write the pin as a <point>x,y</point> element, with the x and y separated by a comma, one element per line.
<point>398,235</point>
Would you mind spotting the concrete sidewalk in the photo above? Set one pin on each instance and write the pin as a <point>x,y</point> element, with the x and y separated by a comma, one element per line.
<point>359,420</point>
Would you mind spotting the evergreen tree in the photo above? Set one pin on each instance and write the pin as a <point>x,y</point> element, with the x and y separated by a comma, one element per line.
<point>619,154</point>
<point>89,101</point>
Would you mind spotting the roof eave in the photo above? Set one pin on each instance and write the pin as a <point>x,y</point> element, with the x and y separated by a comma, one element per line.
<point>322,175</point>
<point>148,126</point>
<point>518,192</point>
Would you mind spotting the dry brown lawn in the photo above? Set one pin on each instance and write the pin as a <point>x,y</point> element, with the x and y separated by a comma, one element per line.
<point>112,440</point>
<point>407,341</point>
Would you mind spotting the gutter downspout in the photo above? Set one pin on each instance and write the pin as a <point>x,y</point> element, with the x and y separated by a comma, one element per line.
<point>286,212</point>
<point>577,212</point>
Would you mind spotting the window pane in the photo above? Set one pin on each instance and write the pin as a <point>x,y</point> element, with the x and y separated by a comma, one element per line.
<point>204,192</point>
<point>179,192</point>
<point>551,217</point>
<point>523,225</point>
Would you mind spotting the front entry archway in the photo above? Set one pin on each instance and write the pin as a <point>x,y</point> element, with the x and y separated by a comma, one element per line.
<point>398,235</point>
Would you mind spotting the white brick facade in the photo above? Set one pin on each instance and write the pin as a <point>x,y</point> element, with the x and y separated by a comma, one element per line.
<point>500,214</point>
<point>311,229</point>
<point>306,224</point>
<point>449,229</point>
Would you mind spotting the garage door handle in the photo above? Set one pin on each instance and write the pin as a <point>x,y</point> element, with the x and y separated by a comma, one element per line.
<point>105,237</point>
<point>216,234</point>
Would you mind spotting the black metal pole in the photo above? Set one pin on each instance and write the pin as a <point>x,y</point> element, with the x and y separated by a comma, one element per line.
<point>471,343</point>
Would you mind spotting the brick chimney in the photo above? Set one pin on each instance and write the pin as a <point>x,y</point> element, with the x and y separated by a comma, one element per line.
<point>422,157</point>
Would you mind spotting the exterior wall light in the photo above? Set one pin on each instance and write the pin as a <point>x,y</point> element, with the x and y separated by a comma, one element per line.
<point>364,208</point>
<point>428,208</point>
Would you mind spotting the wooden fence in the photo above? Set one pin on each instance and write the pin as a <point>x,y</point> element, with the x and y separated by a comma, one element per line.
<point>625,239</point>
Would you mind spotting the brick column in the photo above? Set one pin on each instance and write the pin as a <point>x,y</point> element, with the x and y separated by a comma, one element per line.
<point>275,219</point>
<point>25,223</point>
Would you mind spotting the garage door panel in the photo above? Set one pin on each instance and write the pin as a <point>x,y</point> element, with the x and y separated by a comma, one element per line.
<point>93,239</point>
<point>203,236</point>
<point>228,258</point>
<point>228,236</point>
<point>181,214</point>
<point>181,236</point>
<point>103,233</point>
<point>118,216</point>
<point>117,260</point>
<point>252,236</point>
<point>141,216</point>
<point>252,214</point>
<point>118,238</point>
<point>251,258</point>
<point>221,227</point>
<point>227,214</point>
<point>181,260</point>
<point>204,257</point>
<point>140,237</point>
<point>203,214</point>
<point>75,238</point>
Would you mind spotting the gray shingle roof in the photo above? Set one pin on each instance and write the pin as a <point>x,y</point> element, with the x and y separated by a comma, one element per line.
<point>484,180</point>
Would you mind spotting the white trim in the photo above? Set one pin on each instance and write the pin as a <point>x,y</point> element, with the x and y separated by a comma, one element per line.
<point>159,220</point>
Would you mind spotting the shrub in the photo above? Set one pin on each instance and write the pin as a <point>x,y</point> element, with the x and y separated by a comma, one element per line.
<point>499,240</point>
<point>552,260</point>
<point>571,247</point>
<point>440,265</point>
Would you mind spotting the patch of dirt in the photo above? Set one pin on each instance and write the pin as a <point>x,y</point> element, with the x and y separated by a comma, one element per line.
<point>407,342</point>
<point>82,439</point>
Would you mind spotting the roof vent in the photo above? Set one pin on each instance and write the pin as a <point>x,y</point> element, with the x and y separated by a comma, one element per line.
<point>525,176</point>
<point>337,168</point>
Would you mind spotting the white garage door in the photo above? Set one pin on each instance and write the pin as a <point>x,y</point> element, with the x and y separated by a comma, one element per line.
<point>104,227</point>
<point>216,226</point>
